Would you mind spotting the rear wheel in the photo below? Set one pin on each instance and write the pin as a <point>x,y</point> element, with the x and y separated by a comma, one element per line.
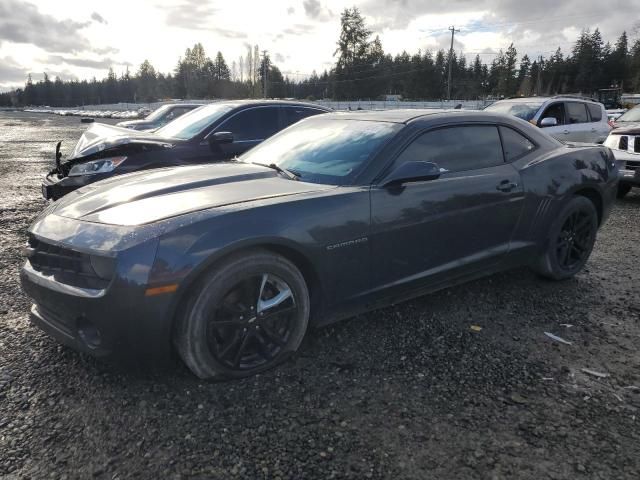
<point>570,240</point>
<point>246,316</point>
<point>623,189</point>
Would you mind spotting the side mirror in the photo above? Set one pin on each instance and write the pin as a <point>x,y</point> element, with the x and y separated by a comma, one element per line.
<point>548,122</point>
<point>412,172</point>
<point>219,138</point>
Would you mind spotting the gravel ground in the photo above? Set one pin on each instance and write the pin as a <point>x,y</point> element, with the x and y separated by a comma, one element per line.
<point>407,392</point>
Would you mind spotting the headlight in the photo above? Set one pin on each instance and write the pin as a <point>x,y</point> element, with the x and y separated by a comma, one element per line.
<point>103,165</point>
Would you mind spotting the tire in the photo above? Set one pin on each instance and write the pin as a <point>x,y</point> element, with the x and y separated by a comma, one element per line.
<point>570,241</point>
<point>623,189</point>
<point>246,315</point>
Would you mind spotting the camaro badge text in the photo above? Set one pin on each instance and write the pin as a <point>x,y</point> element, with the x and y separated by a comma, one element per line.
<point>348,243</point>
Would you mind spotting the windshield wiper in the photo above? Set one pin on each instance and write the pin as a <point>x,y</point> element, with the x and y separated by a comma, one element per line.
<point>287,173</point>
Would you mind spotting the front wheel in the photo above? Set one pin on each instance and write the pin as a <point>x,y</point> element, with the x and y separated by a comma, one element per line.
<point>570,240</point>
<point>245,316</point>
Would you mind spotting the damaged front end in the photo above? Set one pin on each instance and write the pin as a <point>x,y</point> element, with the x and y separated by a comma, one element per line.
<point>102,151</point>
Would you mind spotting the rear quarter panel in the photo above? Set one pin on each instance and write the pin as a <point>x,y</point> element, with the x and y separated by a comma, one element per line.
<point>551,179</point>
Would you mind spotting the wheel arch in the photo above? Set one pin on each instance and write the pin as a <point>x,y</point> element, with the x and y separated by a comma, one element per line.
<point>292,253</point>
<point>595,197</point>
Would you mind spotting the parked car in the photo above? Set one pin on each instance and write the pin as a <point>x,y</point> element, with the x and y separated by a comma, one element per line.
<point>625,144</point>
<point>214,132</point>
<point>569,119</point>
<point>159,117</point>
<point>338,214</point>
<point>631,118</point>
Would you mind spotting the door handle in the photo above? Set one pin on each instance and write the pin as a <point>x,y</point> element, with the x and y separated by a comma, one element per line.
<point>506,186</point>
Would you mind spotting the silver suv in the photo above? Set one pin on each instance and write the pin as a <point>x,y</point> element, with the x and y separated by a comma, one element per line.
<point>567,118</point>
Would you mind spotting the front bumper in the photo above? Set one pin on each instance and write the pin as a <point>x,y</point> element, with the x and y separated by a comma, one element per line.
<point>118,320</point>
<point>628,167</point>
<point>54,187</point>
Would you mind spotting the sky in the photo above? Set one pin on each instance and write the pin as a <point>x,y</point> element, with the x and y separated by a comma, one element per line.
<point>83,38</point>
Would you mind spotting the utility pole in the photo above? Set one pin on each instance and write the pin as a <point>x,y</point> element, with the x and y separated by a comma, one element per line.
<point>453,31</point>
<point>265,71</point>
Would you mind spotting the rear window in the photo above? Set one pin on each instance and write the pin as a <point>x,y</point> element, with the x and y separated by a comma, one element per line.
<point>595,111</point>
<point>577,112</point>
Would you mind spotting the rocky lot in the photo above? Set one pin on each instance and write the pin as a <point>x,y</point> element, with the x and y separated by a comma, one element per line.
<point>414,391</point>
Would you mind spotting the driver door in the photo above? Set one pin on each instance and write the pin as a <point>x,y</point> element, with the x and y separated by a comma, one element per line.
<point>462,221</point>
<point>249,128</point>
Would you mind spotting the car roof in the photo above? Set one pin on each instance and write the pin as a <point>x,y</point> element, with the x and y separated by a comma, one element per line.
<point>410,115</point>
<point>403,115</point>
<point>258,103</point>
<point>547,99</point>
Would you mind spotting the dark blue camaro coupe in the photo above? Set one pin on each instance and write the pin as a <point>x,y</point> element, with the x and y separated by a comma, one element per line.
<point>229,264</point>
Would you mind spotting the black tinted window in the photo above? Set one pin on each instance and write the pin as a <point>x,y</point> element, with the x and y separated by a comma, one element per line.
<point>595,111</point>
<point>252,124</point>
<point>515,145</point>
<point>457,148</point>
<point>295,114</point>
<point>577,112</point>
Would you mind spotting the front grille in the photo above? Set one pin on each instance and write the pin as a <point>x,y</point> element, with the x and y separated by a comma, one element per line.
<point>624,143</point>
<point>630,165</point>
<point>636,145</point>
<point>65,265</point>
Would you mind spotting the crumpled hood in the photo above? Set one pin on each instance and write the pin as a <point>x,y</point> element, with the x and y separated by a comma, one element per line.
<point>137,125</point>
<point>153,195</point>
<point>100,137</point>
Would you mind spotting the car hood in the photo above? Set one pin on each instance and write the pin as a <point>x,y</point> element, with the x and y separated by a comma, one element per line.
<point>137,124</point>
<point>627,128</point>
<point>100,137</point>
<point>150,196</point>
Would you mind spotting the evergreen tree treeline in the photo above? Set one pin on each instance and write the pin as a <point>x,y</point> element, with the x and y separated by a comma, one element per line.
<point>362,71</point>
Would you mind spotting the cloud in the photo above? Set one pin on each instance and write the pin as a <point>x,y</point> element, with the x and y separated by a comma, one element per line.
<point>190,14</point>
<point>105,50</point>
<point>230,33</point>
<point>299,29</point>
<point>21,22</point>
<point>96,17</point>
<point>101,64</point>
<point>314,9</point>
<point>11,71</point>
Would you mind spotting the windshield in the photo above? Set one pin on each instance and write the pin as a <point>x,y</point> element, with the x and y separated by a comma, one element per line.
<point>194,122</point>
<point>319,150</point>
<point>632,115</point>
<point>158,114</point>
<point>524,110</point>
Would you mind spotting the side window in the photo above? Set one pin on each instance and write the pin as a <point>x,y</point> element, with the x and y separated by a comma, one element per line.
<point>555,111</point>
<point>252,124</point>
<point>514,144</point>
<point>295,114</point>
<point>577,113</point>
<point>595,111</point>
<point>456,149</point>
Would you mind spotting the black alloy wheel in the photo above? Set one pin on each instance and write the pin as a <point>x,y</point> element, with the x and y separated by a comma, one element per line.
<point>574,241</point>
<point>246,314</point>
<point>253,323</point>
<point>570,241</point>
